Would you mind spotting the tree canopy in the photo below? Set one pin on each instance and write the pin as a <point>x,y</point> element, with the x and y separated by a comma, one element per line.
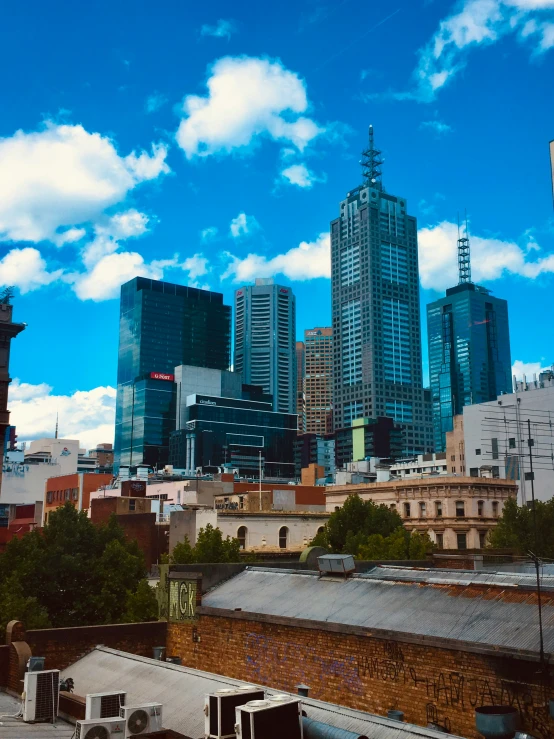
<point>210,547</point>
<point>515,529</point>
<point>74,573</point>
<point>370,531</point>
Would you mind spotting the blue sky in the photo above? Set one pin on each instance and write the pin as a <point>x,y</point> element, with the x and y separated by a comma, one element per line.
<point>211,143</point>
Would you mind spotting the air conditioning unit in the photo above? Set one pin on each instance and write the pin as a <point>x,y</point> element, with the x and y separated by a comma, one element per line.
<point>41,695</point>
<point>104,705</point>
<point>141,719</point>
<point>219,709</point>
<point>35,664</point>
<point>100,728</point>
<point>276,717</point>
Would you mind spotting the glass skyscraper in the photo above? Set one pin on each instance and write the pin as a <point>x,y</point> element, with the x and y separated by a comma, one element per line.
<point>161,326</point>
<point>469,349</point>
<point>376,314</point>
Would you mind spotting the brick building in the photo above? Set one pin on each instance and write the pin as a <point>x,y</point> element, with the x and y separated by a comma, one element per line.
<point>456,512</point>
<point>75,488</point>
<point>388,639</point>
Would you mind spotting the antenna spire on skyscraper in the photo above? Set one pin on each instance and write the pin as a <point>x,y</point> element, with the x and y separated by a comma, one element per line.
<point>371,163</point>
<point>464,262</point>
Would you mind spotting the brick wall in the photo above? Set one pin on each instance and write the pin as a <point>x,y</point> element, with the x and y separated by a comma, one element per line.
<point>346,665</point>
<point>62,647</point>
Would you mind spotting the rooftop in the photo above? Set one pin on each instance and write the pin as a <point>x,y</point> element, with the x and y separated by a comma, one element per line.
<point>427,481</point>
<point>146,680</point>
<point>14,728</point>
<point>482,611</point>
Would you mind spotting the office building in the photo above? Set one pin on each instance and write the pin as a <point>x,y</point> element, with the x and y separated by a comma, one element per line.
<point>368,437</point>
<point>315,449</point>
<point>496,437</point>
<point>300,391</point>
<point>265,341</point>
<point>319,380</point>
<point>469,348</point>
<point>376,316</point>
<point>223,423</point>
<point>161,327</point>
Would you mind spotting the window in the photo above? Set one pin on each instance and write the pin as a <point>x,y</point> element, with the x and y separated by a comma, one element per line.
<point>482,539</point>
<point>66,494</point>
<point>407,513</point>
<point>241,536</point>
<point>495,471</point>
<point>132,504</point>
<point>494,444</point>
<point>460,509</point>
<point>422,510</point>
<point>75,493</point>
<point>478,452</point>
<point>337,508</point>
<point>392,506</point>
<point>512,443</point>
<point>321,529</point>
<point>440,541</point>
<point>452,457</point>
<point>49,496</point>
<point>473,472</point>
<point>283,537</point>
<point>480,507</point>
<point>438,508</point>
<point>495,508</point>
<point>462,541</point>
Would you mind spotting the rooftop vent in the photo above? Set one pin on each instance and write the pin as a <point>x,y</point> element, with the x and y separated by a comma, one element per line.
<point>336,564</point>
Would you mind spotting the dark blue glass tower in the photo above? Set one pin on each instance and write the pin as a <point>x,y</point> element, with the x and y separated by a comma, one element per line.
<point>469,348</point>
<point>161,326</point>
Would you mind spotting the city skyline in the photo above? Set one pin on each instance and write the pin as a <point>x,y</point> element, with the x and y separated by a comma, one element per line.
<point>146,114</point>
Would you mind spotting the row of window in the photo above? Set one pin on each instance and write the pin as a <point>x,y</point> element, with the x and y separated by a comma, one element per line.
<point>460,508</point>
<point>59,496</point>
<point>283,536</point>
<point>461,540</point>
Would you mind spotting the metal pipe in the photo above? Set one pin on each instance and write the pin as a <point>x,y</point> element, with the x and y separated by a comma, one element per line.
<point>318,730</point>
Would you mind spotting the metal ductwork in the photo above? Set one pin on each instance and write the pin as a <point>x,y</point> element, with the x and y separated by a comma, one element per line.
<point>318,730</point>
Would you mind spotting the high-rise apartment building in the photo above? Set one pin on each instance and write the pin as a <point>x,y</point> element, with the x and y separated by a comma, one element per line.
<point>161,326</point>
<point>376,316</point>
<point>265,340</point>
<point>469,348</point>
<point>318,380</point>
<point>300,393</point>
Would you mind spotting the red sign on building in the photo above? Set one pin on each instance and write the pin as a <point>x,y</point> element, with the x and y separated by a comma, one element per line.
<point>161,376</point>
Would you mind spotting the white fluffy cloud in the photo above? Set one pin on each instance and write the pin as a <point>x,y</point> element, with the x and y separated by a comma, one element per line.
<point>299,175</point>
<point>243,225</point>
<point>222,29</point>
<point>475,23</point>
<point>196,266</point>
<point>247,98</point>
<point>491,258</point>
<point>26,270</point>
<point>62,176</point>
<point>87,415</point>
<point>209,234</point>
<point>527,369</point>
<point>306,261</point>
<point>107,275</point>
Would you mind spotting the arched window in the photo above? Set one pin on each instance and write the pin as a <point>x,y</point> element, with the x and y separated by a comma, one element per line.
<point>422,509</point>
<point>321,529</point>
<point>241,536</point>
<point>495,508</point>
<point>283,537</point>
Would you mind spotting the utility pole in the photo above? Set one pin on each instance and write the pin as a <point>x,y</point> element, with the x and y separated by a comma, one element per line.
<point>260,463</point>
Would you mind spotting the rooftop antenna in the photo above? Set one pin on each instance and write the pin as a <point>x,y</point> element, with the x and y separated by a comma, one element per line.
<point>371,164</point>
<point>56,434</point>
<point>464,263</point>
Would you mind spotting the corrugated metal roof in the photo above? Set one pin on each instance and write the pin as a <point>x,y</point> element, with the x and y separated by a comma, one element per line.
<point>493,616</point>
<point>525,578</point>
<point>13,728</point>
<point>181,690</point>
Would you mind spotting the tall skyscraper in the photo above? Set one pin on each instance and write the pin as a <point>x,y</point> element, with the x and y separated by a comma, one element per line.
<point>469,348</point>
<point>161,326</point>
<point>265,340</point>
<point>300,394</point>
<point>376,316</point>
<point>319,380</point>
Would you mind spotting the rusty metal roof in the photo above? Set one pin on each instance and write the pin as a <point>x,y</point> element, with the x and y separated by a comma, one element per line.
<point>181,690</point>
<point>487,615</point>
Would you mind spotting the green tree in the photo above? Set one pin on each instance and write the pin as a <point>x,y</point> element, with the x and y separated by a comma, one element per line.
<point>142,605</point>
<point>77,572</point>
<point>14,604</point>
<point>210,547</point>
<point>516,530</point>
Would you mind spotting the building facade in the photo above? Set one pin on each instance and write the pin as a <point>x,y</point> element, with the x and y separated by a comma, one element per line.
<point>375,308</point>
<point>315,449</point>
<point>265,341</point>
<point>368,437</point>
<point>161,326</point>
<point>223,423</point>
<point>318,379</point>
<point>469,348</point>
<point>496,437</point>
<point>456,512</point>
<point>75,489</point>
<point>300,390</point>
